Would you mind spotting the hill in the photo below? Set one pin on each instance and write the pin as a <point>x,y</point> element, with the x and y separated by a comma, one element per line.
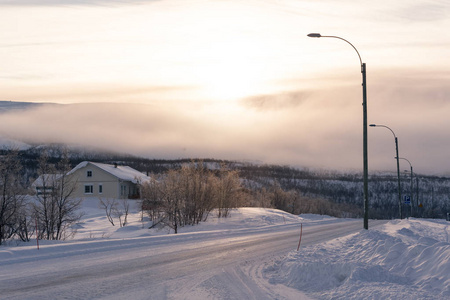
<point>284,187</point>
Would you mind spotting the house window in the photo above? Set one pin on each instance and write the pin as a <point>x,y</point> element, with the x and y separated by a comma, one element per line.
<point>89,189</point>
<point>44,191</point>
<point>123,190</point>
<point>100,188</point>
<point>89,174</point>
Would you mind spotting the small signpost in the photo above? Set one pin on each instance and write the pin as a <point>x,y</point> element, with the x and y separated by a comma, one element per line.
<point>407,199</point>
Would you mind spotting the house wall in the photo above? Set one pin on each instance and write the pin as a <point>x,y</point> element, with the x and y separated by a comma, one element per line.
<point>89,186</point>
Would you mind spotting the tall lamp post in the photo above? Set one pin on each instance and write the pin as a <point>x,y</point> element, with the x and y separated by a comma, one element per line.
<point>398,168</point>
<point>364,104</point>
<point>411,188</point>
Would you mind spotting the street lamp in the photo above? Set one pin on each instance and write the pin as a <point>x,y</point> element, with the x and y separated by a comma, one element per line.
<point>398,168</point>
<point>365,154</point>
<point>412,202</point>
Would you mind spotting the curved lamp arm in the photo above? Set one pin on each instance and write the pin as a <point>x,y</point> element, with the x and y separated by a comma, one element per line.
<point>318,35</point>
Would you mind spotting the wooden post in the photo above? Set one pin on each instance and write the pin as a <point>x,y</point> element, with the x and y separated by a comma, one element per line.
<point>37,238</point>
<point>301,231</point>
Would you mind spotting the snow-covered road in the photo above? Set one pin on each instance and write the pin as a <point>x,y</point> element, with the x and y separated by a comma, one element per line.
<point>213,264</point>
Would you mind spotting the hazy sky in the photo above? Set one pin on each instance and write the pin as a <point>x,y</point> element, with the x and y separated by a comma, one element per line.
<point>233,79</point>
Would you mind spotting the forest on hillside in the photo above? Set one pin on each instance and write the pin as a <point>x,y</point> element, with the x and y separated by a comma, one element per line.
<point>291,189</point>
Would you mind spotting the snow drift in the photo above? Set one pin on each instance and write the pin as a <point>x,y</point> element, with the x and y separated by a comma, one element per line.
<point>407,259</point>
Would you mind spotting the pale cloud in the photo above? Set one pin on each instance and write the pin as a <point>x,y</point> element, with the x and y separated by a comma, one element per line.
<point>424,11</point>
<point>85,93</point>
<point>274,102</point>
<point>70,2</point>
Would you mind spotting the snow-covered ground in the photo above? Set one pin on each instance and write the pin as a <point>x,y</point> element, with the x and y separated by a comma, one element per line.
<point>402,259</point>
<point>407,259</point>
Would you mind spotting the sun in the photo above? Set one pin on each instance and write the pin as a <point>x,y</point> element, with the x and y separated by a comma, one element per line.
<point>231,80</point>
<point>230,73</point>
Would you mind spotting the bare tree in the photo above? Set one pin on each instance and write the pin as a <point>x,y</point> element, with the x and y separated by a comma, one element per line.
<point>123,211</point>
<point>11,201</point>
<point>116,208</point>
<point>197,192</point>
<point>109,205</point>
<point>151,199</point>
<point>260,198</point>
<point>26,225</point>
<point>44,209</point>
<point>227,191</point>
<point>163,200</point>
<point>67,207</point>
<point>55,209</point>
<point>172,200</point>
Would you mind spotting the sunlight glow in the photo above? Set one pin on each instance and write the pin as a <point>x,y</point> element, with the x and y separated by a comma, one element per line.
<point>231,76</point>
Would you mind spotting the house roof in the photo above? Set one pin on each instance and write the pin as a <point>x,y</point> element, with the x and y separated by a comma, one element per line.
<point>122,172</point>
<point>48,179</point>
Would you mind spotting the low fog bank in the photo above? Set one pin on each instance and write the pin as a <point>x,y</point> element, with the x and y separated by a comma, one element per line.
<point>309,128</point>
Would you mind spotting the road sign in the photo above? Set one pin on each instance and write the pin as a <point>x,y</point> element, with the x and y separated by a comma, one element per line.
<point>407,199</point>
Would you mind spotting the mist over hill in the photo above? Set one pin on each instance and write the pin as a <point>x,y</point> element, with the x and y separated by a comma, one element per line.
<point>430,194</point>
<point>183,130</point>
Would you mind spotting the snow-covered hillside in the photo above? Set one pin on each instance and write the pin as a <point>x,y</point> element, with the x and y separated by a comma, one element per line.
<point>8,106</point>
<point>8,143</point>
<point>407,259</point>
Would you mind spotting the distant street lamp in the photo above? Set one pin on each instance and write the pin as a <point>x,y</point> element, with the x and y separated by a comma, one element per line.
<point>365,153</point>
<point>411,188</point>
<point>398,168</point>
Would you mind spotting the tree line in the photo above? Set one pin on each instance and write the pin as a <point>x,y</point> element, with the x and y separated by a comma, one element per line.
<point>48,214</point>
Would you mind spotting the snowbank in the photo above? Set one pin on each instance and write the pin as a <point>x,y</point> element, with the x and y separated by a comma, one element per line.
<point>95,225</point>
<point>408,259</point>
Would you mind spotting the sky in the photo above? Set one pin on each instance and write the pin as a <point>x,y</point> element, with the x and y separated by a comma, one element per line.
<point>232,79</point>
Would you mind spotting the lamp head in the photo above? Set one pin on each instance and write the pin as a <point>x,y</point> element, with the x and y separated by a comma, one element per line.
<point>373,125</point>
<point>314,35</point>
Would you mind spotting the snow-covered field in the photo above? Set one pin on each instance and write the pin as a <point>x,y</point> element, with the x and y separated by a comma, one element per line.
<point>402,259</point>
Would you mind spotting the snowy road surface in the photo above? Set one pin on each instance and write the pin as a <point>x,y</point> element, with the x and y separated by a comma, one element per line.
<point>201,265</point>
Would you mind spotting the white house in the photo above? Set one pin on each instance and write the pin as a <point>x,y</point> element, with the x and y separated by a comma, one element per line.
<point>102,180</point>
<point>46,183</point>
<point>108,181</point>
